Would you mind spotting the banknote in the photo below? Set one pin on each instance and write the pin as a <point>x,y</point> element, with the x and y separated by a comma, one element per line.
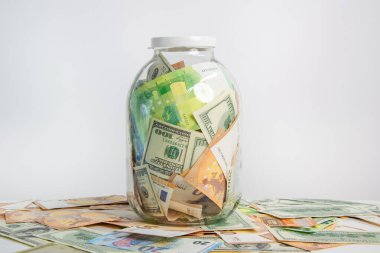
<point>276,222</point>
<point>24,232</point>
<point>258,247</point>
<point>371,219</point>
<point>77,238</point>
<point>236,221</point>
<point>183,190</point>
<point>327,236</point>
<point>52,248</point>
<point>319,227</point>
<point>149,198</point>
<point>143,243</point>
<point>242,237</point>
<point>160,230</point>
<point>167,147</point>
<point>178,65</point>
<point>197,146</point>
<point>61,218</point>
<point>316,211</point>
<point>159,67</point>
<point>213,78</point>
<point>164,192</point>
<point>328,202</point>
<point>70,203</point>
<point>187,208</point>
<point>18,205</point>
<point>355,225</point>
<point>218,114</point>
<point>207,176</point>
<point>111,207</point>
<point>311,246</point>
<point>225,146</point>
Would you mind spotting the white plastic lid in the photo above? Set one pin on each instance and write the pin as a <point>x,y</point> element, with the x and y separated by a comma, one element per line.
<point>185,41</point>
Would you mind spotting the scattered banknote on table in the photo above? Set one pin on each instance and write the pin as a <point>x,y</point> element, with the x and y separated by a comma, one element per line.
<point>115,228</point>
<point>78,202</point>
<point>52,248</point>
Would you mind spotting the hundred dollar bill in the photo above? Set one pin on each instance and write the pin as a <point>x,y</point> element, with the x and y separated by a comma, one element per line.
<point>160,230</point>
<point>236,221</point>
<point>311,246</point>
<point>282,234</point>
<point>316,211</point>
<point>218,114</point>
<point>258,247</point>
<point>167,148</point>
<point>24,232</point>
<point>242,237</point>
<point>52,248</point>
<point>78,238</point>
<point>226,146</point>
<point>142,243</point>
<point>159,67</point>
<point>328,202</point>
<point>147,193</point>
<point>78,202</point>
<point>197,146</point>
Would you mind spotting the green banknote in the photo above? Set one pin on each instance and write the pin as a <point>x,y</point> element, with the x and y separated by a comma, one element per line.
<point>78,238</point>
<point>316,211</point>
<point>171,149</point>
<point>24,232</point>
<point>326,236</point>
<point>236,221</point>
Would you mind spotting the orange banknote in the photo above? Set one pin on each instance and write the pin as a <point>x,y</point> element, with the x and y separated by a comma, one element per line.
<point>207,176</point>
<point>61,219</point>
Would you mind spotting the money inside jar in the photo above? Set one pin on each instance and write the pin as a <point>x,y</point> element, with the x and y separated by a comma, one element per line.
<point>184,130</point>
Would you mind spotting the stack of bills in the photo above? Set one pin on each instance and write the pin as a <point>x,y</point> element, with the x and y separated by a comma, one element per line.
<point>185,139</point>
<point>108,224</point>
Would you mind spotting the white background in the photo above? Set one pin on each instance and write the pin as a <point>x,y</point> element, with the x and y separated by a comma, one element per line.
<point>308,72</point>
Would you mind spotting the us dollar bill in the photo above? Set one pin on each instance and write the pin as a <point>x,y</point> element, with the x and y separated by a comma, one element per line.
<point>168,147</point>
<point>218,114</point>
<point>52,248</point>
<point>258,247</point>
<point>282,234</point>
<point>147,193</point>
<point>78,238</point>
<point>24,232</point>
<point>197,145</point>
<point>236,221</point>
<point>159,67</point>
<point>316,211</point>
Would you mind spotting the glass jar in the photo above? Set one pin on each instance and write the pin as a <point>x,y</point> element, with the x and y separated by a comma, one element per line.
<point>183,112</point>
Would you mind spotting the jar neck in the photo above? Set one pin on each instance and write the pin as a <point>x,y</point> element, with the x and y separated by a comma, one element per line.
<point>206,53</point>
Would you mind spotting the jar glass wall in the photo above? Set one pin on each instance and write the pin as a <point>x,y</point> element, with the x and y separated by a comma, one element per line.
<point>183,120</point>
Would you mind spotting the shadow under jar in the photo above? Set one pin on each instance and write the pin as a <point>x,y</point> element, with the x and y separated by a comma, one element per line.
<point>183,113</point>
